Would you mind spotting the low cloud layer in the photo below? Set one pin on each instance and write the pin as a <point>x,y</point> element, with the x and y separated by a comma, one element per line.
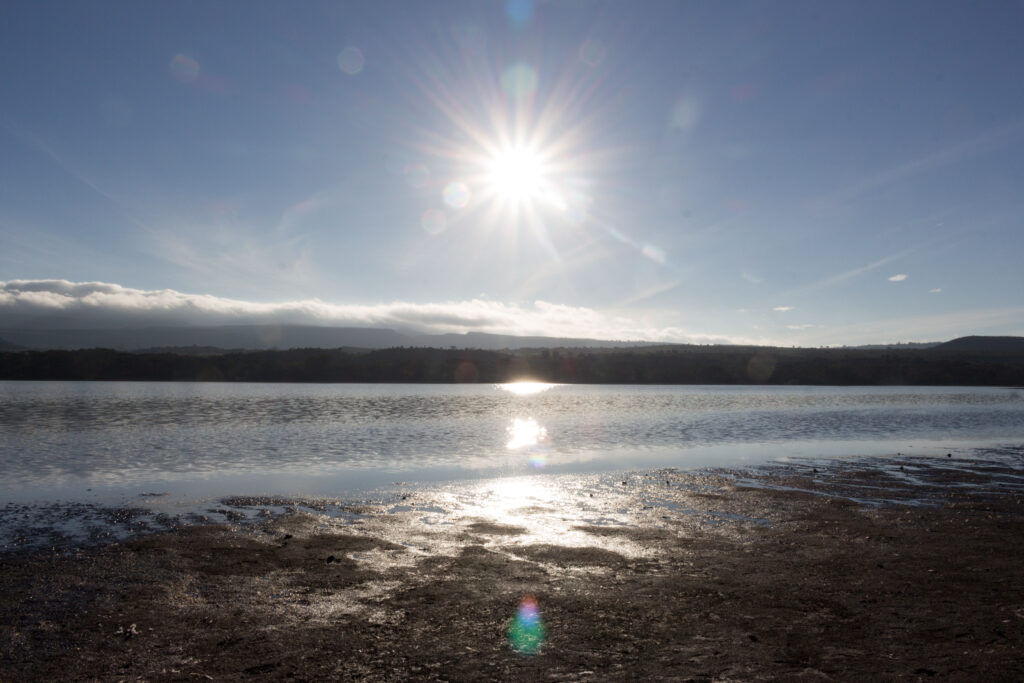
<point>64,304</point>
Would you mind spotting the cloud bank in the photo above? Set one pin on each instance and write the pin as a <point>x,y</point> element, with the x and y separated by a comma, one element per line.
<point>84,305</point>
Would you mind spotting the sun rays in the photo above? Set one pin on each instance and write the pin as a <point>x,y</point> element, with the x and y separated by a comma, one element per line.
<point>510,152</point>
<point>509,148</point>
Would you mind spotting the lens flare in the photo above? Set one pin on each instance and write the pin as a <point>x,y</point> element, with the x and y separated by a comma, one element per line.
<point>417,175</point>
<point>297,93</point>
<point>685,114</point>
<point>434,221</point>
<point>654,253</point>
<point>456,195</point>
<point>519,12</point>
<point>592,53</point>
<point>351,60</point>
<point>184,68</point>
<point>519,81</point>
<point>526,632</point>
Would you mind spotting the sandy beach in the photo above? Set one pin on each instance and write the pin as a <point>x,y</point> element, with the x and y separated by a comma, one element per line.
<point>903,569</point>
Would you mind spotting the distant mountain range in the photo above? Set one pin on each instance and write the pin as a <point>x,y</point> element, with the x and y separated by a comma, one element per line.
<point>976,344</point>
<point>8,346</point>
<point>204,341</point>
<point>678,364</point>
<point>900,345</point>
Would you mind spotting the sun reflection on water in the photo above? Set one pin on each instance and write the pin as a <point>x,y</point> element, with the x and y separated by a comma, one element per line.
<point>547,511</point>
<point>524,433</point>
<point>530,437</point>
<point>525,388</point>
<point>504,495</point>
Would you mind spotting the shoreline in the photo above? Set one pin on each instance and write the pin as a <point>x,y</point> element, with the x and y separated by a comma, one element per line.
<point>82,521</point>
<point>830,571</point>
<point>958,365</point>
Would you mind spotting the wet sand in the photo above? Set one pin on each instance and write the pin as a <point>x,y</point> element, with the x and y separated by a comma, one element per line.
<point>898,570</point>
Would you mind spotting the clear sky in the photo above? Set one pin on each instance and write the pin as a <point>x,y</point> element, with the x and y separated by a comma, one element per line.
<point>794,173</point>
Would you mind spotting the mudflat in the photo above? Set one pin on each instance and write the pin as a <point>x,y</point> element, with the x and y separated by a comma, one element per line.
<point>906,570</point>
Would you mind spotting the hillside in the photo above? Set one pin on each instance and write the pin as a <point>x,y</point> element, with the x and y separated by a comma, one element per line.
<point>978,344</point>
<point>8,346</point>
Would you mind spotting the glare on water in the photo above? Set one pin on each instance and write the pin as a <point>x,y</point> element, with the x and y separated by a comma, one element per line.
<point>81,440</point>
<point>526,387</point>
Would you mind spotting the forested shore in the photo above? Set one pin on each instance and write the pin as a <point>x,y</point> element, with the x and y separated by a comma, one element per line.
<point>652,365</point>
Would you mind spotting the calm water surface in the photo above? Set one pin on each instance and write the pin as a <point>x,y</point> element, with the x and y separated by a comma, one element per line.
<point>99,440</point>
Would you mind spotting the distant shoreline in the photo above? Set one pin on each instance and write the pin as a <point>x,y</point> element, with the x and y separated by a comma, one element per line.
<point>713,365</point>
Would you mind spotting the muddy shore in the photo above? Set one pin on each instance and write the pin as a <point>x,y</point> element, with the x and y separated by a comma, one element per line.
<point>843,572</point>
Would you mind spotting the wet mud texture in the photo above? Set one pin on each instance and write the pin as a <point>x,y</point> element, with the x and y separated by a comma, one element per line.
<point>723,582</point>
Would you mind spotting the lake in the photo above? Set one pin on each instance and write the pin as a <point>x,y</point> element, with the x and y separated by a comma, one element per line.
<point>108,442</point>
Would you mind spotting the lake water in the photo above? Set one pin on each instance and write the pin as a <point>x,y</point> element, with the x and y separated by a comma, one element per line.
<point>108,441</point>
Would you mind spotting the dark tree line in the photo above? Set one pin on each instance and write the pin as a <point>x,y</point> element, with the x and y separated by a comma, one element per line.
<point>654,365</point>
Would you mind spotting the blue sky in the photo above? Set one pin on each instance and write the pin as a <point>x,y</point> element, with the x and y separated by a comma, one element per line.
<point>794,173</point>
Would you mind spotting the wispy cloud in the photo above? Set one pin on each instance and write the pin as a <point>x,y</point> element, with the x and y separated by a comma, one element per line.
<point>752,278</point>
<point>783,309</point>
<point>649,293</point>
<point>805,326</point>
<point>82,177</point>
<point>222,253</point>
<point>846,275</point>
<point>898,277</point>
<point>36,303</point>
<point>935,291</point>
<point>996,138</point>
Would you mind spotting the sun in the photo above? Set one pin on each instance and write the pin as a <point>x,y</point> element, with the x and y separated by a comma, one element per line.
<point>518,175</point>
<point>513,153</point>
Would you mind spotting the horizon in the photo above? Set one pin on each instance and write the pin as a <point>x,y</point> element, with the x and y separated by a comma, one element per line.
<point>796,175</point>
<point>282,337</point>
